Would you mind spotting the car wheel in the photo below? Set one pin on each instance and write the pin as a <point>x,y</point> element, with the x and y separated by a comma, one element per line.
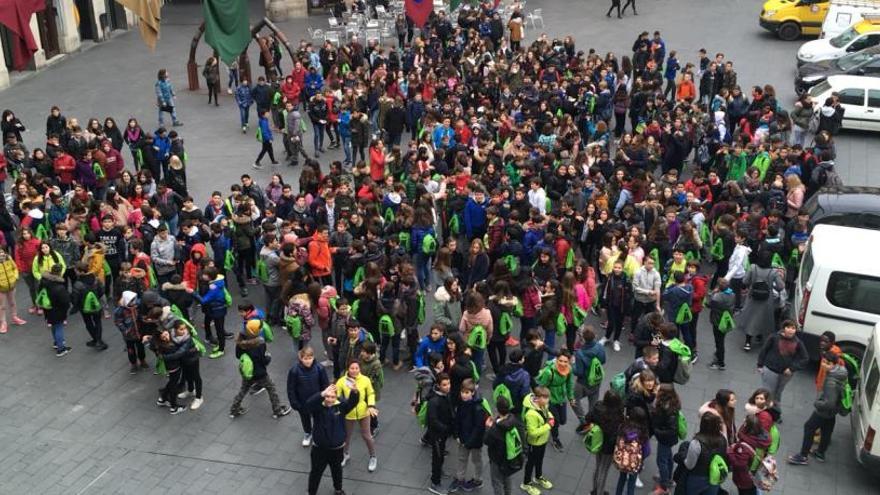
<point>800,89</point>
<point>789,31</point>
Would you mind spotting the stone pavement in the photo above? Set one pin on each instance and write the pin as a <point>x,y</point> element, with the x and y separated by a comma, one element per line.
<point>82,425</point>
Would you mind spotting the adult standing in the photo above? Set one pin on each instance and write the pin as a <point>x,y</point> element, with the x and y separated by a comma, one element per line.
<point>825,409</point>
<point>244,100</point>
<point>328,434</point>
<point>165,98</point>
<point>764,285</point>
<point>783,354</point>
<point>211,72</point>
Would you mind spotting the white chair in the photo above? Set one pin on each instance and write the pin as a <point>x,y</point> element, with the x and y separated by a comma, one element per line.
<point>316,34</point>
<point>381,12</point>
<point>334,22</point>
<point>535,16</point>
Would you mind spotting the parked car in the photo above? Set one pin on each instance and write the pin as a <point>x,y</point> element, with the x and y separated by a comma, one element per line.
<point>845,206</point>
<point>863,63</point>
<point>859,96</point>
<point>866,406</point>
<point>861,35</point>
<point>790,20</point>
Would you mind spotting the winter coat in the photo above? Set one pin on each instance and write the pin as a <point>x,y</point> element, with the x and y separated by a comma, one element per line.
<point>178,295</point>
<point>583,358</point>
<point>56,289</point>
<point>664,425</point>
<point>496,446</point>
<point>303,383</point>
<point>255,348</point>
<point>470,320</point>
<point>192,265</point>
<point>440,420</point>
<point>517,380</point>
<point>426,348</point>
<point>561,386</point>
<point>536,422</point>
<point>757,317</point>
<point>84,284</point>
<point>827,405</point>
<point>720,302</point>
<point>44,264</point>
<point>8,275</point>
<point>328,423</point>
<point>780,353</point>
<point>213,299</point>
<point>367,395</point>
<point>470,422</point>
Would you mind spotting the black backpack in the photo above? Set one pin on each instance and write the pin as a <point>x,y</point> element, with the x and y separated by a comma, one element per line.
<point>760,290</point>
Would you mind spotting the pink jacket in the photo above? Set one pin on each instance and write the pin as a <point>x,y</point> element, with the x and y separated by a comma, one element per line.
<point>470,320</point>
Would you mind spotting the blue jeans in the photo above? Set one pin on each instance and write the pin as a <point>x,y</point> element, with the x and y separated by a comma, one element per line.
<point>173,115</point>
<point>423,269</point>
<point>346,147</point>
<point>664,464</point>
<point>477,358</point>
<point>550,338</point>
<point>172,225</point>
<point>58,335</point>
<point>699,485</point>
<point>233,79</point>
<point>244,113</point>
<point>318,131</point>
<point>628,481</point>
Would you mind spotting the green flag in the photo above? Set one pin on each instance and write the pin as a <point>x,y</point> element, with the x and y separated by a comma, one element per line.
<point>226,27</point>
<point>453,4</point>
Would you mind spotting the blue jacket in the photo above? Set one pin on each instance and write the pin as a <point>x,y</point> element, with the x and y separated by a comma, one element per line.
<point>265,130</point>
<point>213,300</point>
<point>440,132</point>
<point>474,217</point>
<point>584,356</point>
<point>243,96</point>
<point>219,246</point>
<point>470,423</point>
<point>674,297</point>
<point>517,380</point>
<point>415,110</point>
<point>672,67</point>
<point>303,383</point>
<point>345,124</point>
<point>314,82</point>
<point>426,347</point>
<point>164,91</point>
<point>416,236</point>
<point>162,147</point>
<point>328,423</point>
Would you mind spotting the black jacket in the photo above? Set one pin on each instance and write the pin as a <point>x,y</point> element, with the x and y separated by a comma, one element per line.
<point>771,357</point>
<point>440,416</point>
<point>664,425</point>
<point>56,288</point>
<point>256,349</point>
<point>84,284</point>
<point>470,422</point>
<point>496,445</point>
<point>328,423</point>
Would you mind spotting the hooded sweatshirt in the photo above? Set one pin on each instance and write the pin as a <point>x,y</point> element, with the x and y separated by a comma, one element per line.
<point>191,267</point>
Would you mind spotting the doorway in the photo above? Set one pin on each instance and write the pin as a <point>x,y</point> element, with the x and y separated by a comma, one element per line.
<point>47,22</point>
<point>87,28</point>
<point>116,14</point>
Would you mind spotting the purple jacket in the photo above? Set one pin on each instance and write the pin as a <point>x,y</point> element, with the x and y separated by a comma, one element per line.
<point>85,175</point>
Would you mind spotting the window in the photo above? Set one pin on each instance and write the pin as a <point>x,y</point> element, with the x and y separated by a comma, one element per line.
<point>872,69</point>
<point>854,291</point>
<point>844,38</point>
<point>843,19</point>
<point>806,266</point>
<point>874,98</point>
<point>820,88</point>
<point>852,96</point>
<point>871,384</point>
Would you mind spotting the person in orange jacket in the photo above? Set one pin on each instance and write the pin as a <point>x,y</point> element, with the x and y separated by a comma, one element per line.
<point>319,255</point>
<point>686,89</point>
<point>191,267</point>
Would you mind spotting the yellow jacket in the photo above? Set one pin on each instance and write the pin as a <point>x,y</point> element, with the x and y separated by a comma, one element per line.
<point>95,258</point>
<point>8,275</point>
<point>366,395</point>
<point>46,265</point>
<point>536,422</point>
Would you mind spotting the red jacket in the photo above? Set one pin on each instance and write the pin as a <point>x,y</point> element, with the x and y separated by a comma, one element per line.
<point>25,254</point>
<point>319,256</point>
<point>191,267</point>
<point>700,284</point>
<point>64,166</point>
<point>290,89</point>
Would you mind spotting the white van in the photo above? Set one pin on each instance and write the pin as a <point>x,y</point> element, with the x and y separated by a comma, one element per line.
<point>844,13</point>
<point>861,35</point>
<point>838,287</point>
<point>866,406</point>
<point>859,96</point>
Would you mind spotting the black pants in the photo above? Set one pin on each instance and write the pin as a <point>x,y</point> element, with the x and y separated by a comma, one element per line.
<point>169,393</point>
<point>627,4</point>
<point>305,417</point>
<point>321,458</point>
<point>615,323</point>
<point>614,4</point>
<point>193,377</point>
<point>332,129</point>
<point>638,309</point>
<point>218,329</point>
<point>719,344</point>
<point>438,447</point>
<point>813,423</point>
<point>497,354</point>
<point>266,148</point>
<point>212,92</point>
<point>244,265</point>
<point>136,351</point>
<point>534,462</point>
<point>670,89</point>
<point>93,325</point>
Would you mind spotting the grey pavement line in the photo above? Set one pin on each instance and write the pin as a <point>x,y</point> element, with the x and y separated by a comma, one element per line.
<point>98,478</point>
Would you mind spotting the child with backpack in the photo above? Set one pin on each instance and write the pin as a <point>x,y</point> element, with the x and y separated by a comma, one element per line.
<point>305,379</point>
<point>744,454</point>
<point>440,422</point>
<point>736,266</point>
<point>835,398</point>
<point>588,369</point>
<point>632,446</point>
<point>515,381</point>
<point>706,459</point>
<point>504,445</point>
<point>86,299</point>
<point>469,429</point>
<point>557,376</point>
<point>212,297</point>
<point>668,426</point>
<point>371,367</point>
<point>125,318</point>
<point>606,417</point>
<point>180,295</point>
<point>251,348</point>
<point>54,300</point>
<point>721,304</point>
<point>677,301</point>
<point>192,377</point>
<point>539,421</point>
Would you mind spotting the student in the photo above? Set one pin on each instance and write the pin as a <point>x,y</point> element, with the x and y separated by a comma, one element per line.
<point>211,295</point>
<point>171,350</point>
<point>608,415</point>
<point>825,410</point>
<point>516,379</point>
<point>736,267</point>
<point>616,296</point>
<point>53,283</point>
<point>504,460</point>
<point>328,439</point>
<point>8,279</point>
<point>305,379</point>
<point>677,299</point>
<point>664,426</point>
<point>632,438</point>
<point>439,423</point>
<point>557,376</point>
<point>781,356</point>
<point>359,416</point>
<point>539,421</point>
<point>587,381</point>
<point>125,317</point>
<point>86,299</point>
<point>249,342</point>
<point>708,442</point>
<point>192,378</point>
<point>751,441</point>
<point>721,304</point>
<point>435,341</point>
<point>470,428</point>
<point>371,367</point>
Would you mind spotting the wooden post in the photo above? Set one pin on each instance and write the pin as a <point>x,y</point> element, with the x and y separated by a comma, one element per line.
<point>244,67</point>
<point>192,68</point>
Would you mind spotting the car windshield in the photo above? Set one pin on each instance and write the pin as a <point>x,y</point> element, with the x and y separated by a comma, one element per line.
<point>844,38</point>
<point>850,62</point>
<point>820,88</point>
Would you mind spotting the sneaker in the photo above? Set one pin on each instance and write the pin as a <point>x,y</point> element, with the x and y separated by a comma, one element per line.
<point>133,370</point>
<point>603,341</point>
<point>101,346</point>
<point>437,489</point>
<point>62,352</point>
<point>40,311</point>
<point>695,358</point>
<point>162,402</point>
<point>177,124</point>
<point>91,343</point>
<point>557,445</point>
<point>244,129</point>
<point>531,490</point>
<point>229,91</point>
<point>543,482</point>
<point>196,403</point>
<point>284,411</point>
<point>174,411</point>
<point>616,346</point>
<point>798,459</point>
<point>474,485</point>
<point>511,342</point>
<point>185,394</point>
<point>257,166</point>
<point>717,366</point>
<point>32,310</point>
<point>456,486</point>
<point>345,458</point>
<point>639,483</point>
<point>235,414</point>
<point>373,464</point>
<point>820,456</point>
<point>17,321</point>
<point>244,292</point>
<point>256,391</point>
<point>747,346</point>
<point>307,441</point>
<point>216,354</point>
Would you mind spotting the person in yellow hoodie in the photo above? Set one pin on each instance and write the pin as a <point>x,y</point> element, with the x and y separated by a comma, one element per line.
<point>360,415</point>
<point>8,278</point>
<point>45,259</point>
<point>93,254</point>
<point>538,421</point>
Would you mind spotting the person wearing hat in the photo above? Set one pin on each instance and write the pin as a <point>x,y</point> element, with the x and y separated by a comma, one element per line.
<point>249,342</point>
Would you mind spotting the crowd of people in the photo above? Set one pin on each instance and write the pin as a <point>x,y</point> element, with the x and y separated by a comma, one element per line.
<point>550,206</point>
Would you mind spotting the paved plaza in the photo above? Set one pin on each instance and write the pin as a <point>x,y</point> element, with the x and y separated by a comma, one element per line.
<point>83,425</point>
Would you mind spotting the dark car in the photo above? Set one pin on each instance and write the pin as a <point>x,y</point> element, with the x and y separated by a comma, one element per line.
<point>847,206</point>
<point>863,63</point>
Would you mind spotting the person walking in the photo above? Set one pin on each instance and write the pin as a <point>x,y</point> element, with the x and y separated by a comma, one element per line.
<point>608,416</point>
<point>630,3</point>
<point>615,4</point>
<point>244,100</point>
<point>328,434</point>
<point>765,285</point>
<point>825,410</point>
<point>664,414</point>
<point>264,136</point>
<point>632,448</point>
<point>783,354</point>
<point>249,343</point>
<point>165,98</point>
<point>55,305</point>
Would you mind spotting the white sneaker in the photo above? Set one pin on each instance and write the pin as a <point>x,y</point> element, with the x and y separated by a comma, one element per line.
<point>183,395</point>
<point>616,346</point>
<point>639,483</point>
<point>307,441</point>
<point>345,458</point>
<point>603,341</point>
<point>196,403</point>
<point>372,465</point>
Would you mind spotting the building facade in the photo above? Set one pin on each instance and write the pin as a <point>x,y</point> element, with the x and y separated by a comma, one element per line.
<point>62,28</point>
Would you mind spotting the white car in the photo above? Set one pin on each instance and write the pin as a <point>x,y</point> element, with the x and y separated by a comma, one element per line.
<point>857,37</point>
<point>859,96</point>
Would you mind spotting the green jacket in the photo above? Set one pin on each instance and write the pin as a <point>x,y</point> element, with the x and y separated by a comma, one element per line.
<point>536,421</point>
<point>373,370</point>
<point>561,387</point>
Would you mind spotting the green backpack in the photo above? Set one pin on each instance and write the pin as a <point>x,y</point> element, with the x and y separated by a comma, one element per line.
<point>386,325</point>
<point>229,260</point>
<point>684,314</point>
<point>43,300</point>
<point>594,439</point>
<point>41,232</point>
<point>107,269</point>
<point>846,399</point>
<point>422,414</point>
<point>294,326</point>
<point>161,369</point>
<point>151,275</point>
<point>358,276</point>
<point>512,262</point>
<point>355,307</point>
<point>718,470</point>
<point>513,447</point>
<point>717,250</point>
<point>454,225</point>
<point>618,384</point>
<point>579,315</point>
<point>505,323</point>
<point>518,309</point>
<point>477,338</point>
<point>705,234</point>
<point>420,315</point>
<point>429,244</point>
<point>91,304</point>
<point>774,440</point>
<point>268,333</point>
<point>561,325</point>
<point>246,366</point>
<point>776,261</point>
<point>227,297</point>
<point>655,255</point>
<point>405,240</point>
<point>502,391</point>
<point>389,216</point>
<point>262,271</point>
<point>794,257</point>
<point>596,373</point>
<point>726,323</point>
<point>98,171</point>
<point>682,426</point>
<point>569,259</point>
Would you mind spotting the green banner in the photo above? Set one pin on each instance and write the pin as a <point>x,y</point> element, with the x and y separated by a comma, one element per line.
<point>227,27</point>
